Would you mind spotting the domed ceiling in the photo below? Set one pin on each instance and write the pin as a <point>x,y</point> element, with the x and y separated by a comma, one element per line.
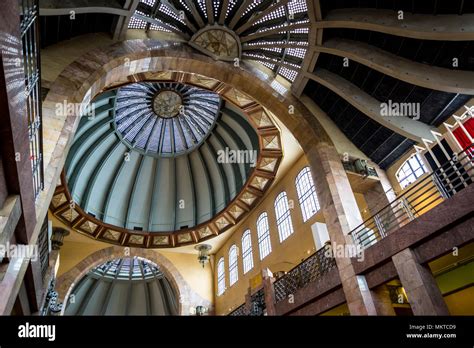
<point>128,286</point>
<point>166,163</point>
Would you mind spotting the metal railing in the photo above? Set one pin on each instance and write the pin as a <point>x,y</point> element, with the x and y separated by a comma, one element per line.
<point>29,18</point>
<point>257,303</point>
<point>311,269</point>
<point>443,183</point>
<point>239,311</point>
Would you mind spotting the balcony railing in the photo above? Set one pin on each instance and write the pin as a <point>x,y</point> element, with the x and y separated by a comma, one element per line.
<point>257,306</point>
<point>311,269</point>
<point>239,311</point>
<point>444,182</point>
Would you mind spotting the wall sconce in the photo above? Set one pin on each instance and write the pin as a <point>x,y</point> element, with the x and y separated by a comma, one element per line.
<point>58,237</point>
<point>203,256</point>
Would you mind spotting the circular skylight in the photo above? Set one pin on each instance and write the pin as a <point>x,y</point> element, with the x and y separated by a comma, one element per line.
<point>165,119</point>
<point>129,268</point>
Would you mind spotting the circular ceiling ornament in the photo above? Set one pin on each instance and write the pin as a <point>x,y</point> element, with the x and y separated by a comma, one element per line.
<point>167,104</point>
<point>218,42</point>
<point>165,119</point>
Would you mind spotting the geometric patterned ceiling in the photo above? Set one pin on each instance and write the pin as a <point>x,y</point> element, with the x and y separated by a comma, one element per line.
<point>273,33</point>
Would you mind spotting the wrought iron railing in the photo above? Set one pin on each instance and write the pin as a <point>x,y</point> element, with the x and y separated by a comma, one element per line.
<point>31,63</point>
<point>444,182</point>
<point>257,305</point>
<point>239,311</point>
<point>311,269</point>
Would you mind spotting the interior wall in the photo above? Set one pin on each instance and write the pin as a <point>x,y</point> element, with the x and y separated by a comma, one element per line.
<point>285,255</point>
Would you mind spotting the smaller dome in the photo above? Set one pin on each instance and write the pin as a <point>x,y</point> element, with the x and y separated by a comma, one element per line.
<point>125,286</point>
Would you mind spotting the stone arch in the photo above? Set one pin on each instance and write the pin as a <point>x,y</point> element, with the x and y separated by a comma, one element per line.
<point>123,62</point>
<point>186,296</point>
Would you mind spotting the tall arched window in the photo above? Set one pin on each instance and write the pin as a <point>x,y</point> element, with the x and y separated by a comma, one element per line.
<point>247,254</point>
<point>410,170</point>
<point>306,193</point>
<point>233,268</point>
<point>220,277</point>
<point>283,217</point>
<point>263,233</point>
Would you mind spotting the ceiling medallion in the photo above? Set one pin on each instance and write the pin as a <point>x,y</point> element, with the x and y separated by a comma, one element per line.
<point>218,42</point>
<point>167,104</point>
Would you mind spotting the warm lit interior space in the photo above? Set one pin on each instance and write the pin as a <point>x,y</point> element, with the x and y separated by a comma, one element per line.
<point>236,158</point>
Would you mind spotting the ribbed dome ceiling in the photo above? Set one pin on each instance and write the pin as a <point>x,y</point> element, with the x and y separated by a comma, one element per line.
<point>165,119</point>
<point>123,167</point>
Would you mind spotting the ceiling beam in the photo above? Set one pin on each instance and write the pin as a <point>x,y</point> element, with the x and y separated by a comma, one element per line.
<point>162,24</point>
<point>195,13</point>
<point>210,12</point>
<point>432,77</point>
<point>248,47</point>
<point>268,60</point>
<point>260,15</point>
<point>123,22</point>
<point>80,10</point>
<point>177,12</point>
<point>239,13</point>
<point>225,6</point>
<point>370,106</point>
<point>273,31</point>
<point>417,26</point>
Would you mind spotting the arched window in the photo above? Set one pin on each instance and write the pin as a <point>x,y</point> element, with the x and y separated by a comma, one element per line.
<point>263,234</point>
<point>247,254</point>
<point>283,217</point>
<point>306,193</point>
<point>410,171</point>
<point>220,277</point>
<point>233,268</point>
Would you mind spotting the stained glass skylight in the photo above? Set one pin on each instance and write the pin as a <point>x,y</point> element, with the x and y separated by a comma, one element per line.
<point>165,119</point>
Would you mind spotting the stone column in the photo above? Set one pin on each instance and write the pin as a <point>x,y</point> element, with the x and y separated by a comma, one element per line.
<point>269,291</point>
<point>248,301</point>
<point>341,214</point>
<point>423,293</point>
<point>383,302</point>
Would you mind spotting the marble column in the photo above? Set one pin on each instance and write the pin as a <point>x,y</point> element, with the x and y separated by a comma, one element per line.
<point>383,302</point>
<point>341,215</point>
<point>423,293</point>
<point>269,291</point>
